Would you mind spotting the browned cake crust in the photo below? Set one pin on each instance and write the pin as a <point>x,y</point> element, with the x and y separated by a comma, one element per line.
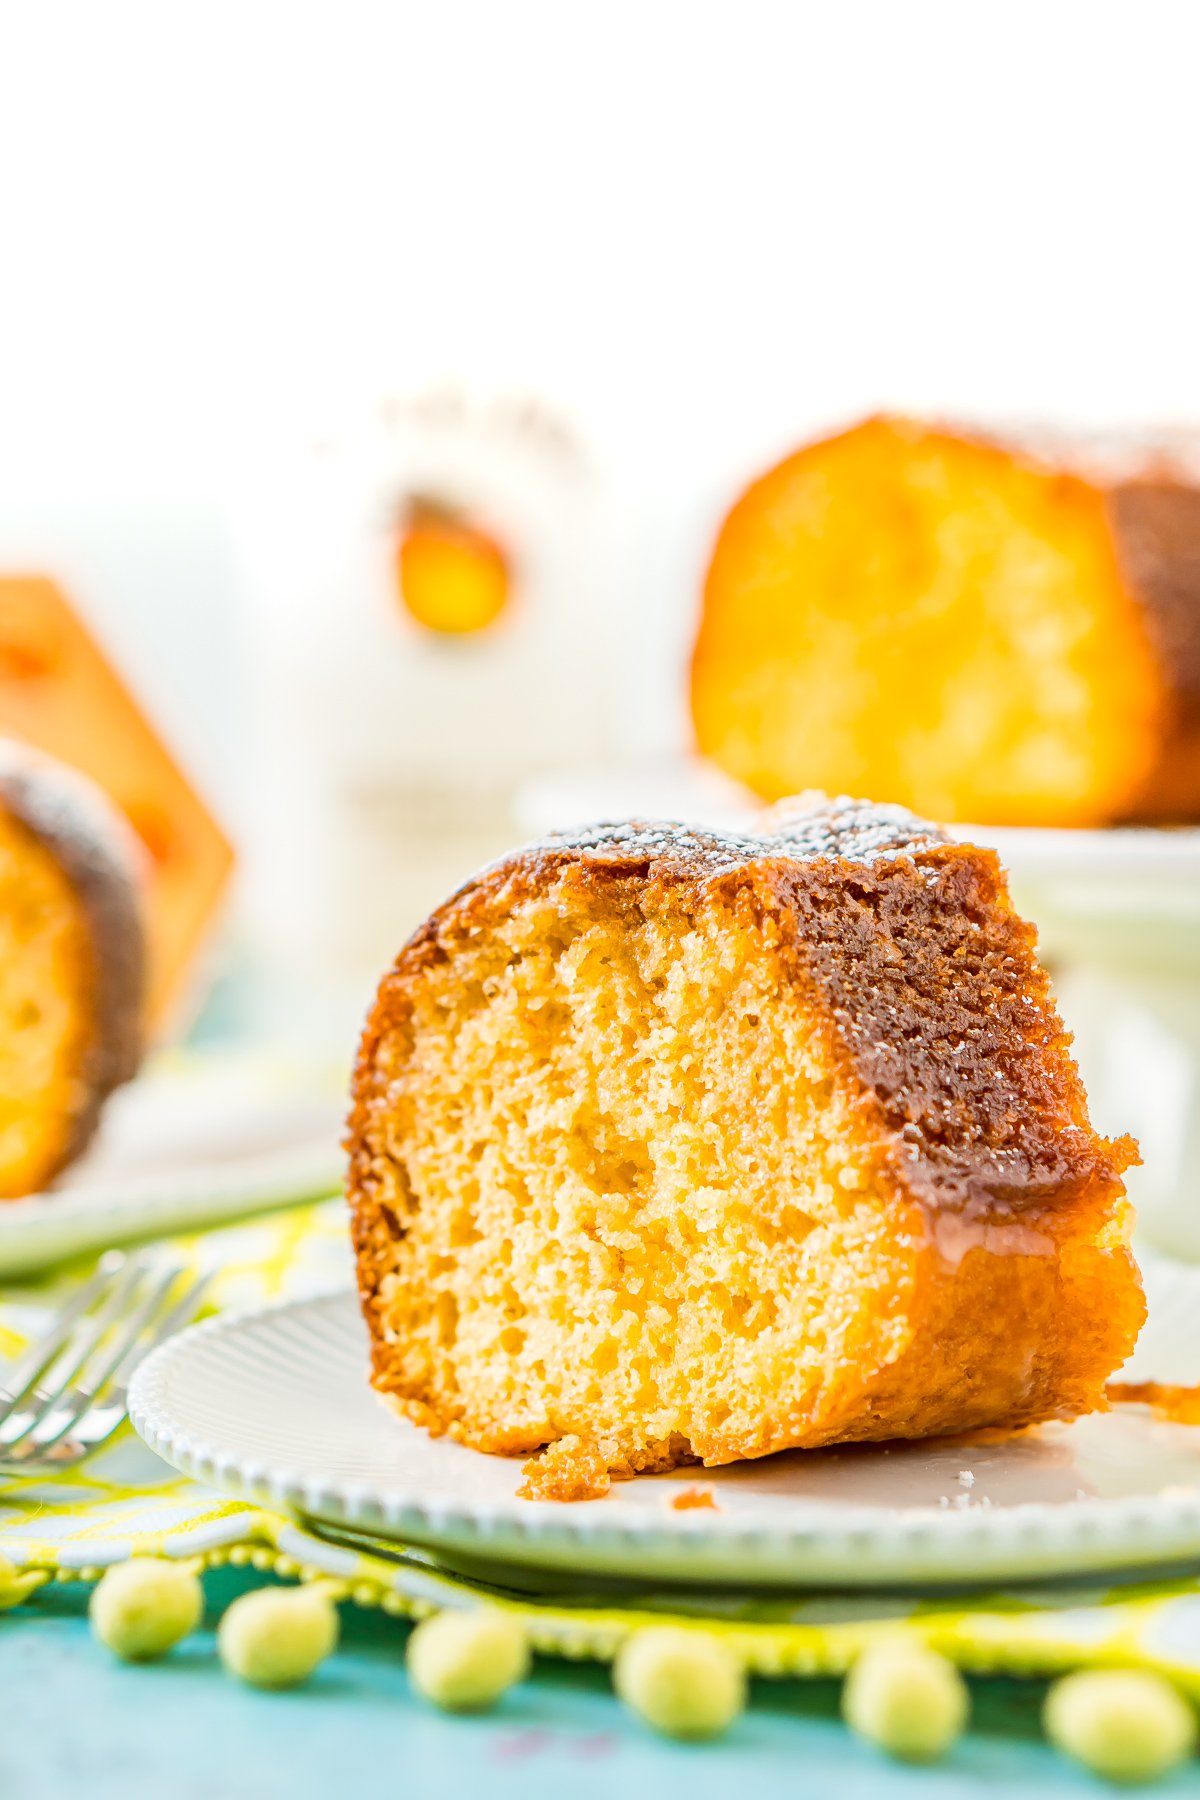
<point>1151,488</point>
<point>934,1012</point>
<point>71,818</point>
<point>1156,529</point>
<point>1151,485</point>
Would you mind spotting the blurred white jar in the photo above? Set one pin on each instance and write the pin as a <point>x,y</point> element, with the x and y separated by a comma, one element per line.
<point>386,752</point>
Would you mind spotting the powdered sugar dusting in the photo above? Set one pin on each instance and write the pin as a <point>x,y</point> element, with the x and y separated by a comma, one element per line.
<point>852,830</point>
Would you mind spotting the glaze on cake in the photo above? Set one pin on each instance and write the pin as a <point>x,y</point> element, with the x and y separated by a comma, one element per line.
<point>669,1146</point>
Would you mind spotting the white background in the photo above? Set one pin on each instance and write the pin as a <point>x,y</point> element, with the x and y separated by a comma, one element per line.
<point>700,230</point>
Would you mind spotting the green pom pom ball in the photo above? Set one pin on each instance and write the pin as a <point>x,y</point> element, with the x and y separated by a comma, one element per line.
<point>464,1661</point>
<point>1124,1724</point>
<point>907,1699</point>
<point>277,1637</point>
<point>142,1608</point>
<point>683,1683</point>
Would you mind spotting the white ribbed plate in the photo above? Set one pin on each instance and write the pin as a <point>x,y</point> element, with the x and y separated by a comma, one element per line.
<point>275,1407</point>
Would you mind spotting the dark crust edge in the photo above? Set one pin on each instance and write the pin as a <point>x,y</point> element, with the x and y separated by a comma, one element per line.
<point>825,883</point>
<point>1150,484</point>
<point>1155,523</point>
<point>71,817</point>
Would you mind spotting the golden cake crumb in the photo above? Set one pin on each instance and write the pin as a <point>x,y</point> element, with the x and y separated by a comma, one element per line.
<point>693,1499</point>
<point>1165,1399</point>
<point>568,1470</point>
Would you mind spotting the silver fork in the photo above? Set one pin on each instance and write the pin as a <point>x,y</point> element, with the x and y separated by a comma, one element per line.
<point>66,1395</point>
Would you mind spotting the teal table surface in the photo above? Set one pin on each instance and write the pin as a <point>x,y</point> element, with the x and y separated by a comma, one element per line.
<point>77,1723</point>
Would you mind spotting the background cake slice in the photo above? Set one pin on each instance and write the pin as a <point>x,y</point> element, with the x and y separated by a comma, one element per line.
<point>668,1145</point>
<point>71,965</point>
<point>960,625</point>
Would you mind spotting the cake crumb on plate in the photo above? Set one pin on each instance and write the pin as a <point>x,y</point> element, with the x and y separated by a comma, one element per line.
<point>693,1497</point>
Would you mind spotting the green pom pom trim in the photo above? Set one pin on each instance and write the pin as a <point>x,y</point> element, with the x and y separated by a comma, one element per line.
<point>1035,1633</point>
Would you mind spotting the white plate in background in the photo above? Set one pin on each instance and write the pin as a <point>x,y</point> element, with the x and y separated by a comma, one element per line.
<point>275,1408</point>
<point>193,1141</point>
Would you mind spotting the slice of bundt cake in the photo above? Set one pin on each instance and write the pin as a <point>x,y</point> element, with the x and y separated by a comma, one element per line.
<point>961,626</point>
<point>71,965</point>
<point>667,1145</point>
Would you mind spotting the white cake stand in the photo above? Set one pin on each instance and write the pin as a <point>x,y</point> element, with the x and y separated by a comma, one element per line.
<point>1118,914</point>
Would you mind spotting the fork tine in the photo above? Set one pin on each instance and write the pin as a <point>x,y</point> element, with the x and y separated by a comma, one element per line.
<point>21,1379</point>
<point>98,1399</point>
<point>80,1346</point>
<point>97,1414</point>
<point>80,1398</point>
<point>179,1314</point>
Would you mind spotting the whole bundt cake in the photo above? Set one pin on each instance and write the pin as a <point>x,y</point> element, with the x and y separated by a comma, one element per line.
<point>669,1146</point>
<point>990,631</point>
<point>71,965</point>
